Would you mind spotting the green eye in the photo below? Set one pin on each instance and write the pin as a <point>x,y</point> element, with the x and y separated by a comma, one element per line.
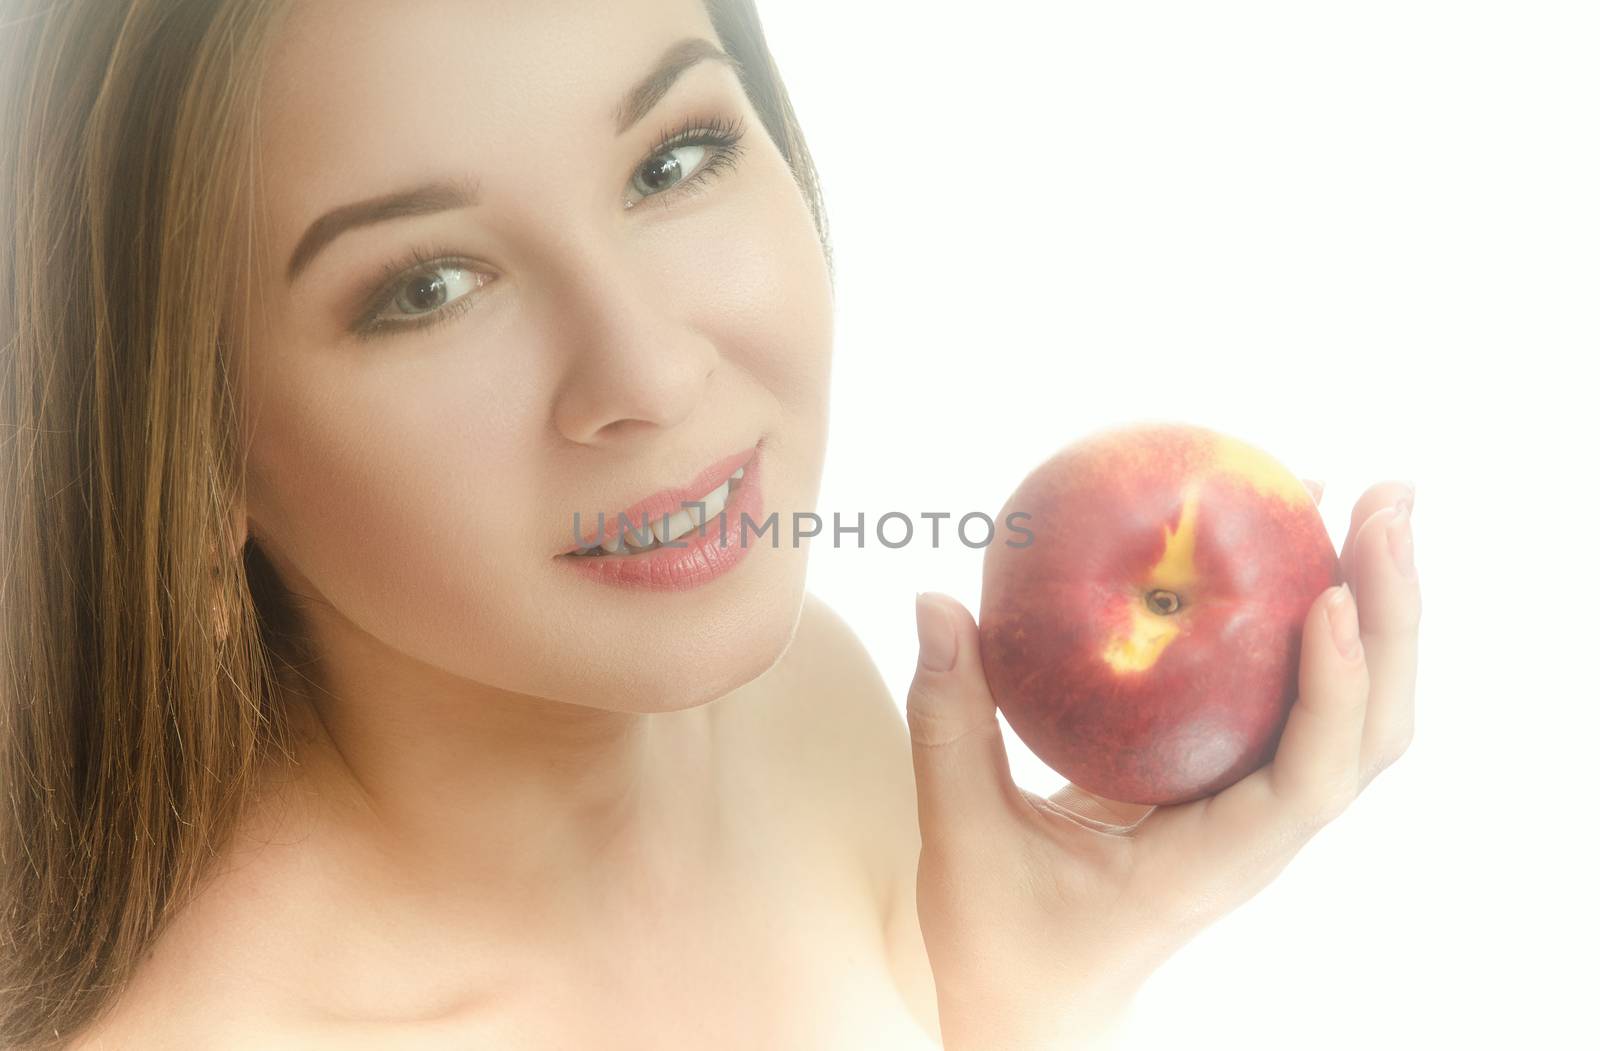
<point>689,156</point>
<point>426,292</point>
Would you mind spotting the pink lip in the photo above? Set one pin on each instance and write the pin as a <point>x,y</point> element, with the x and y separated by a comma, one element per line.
<point>699,556</point>
<point>667,501</point>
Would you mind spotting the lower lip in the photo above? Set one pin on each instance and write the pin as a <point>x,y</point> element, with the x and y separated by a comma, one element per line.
<point>692,560</point>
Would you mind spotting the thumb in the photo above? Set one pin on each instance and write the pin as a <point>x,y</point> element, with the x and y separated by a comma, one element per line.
<point>958,756</point>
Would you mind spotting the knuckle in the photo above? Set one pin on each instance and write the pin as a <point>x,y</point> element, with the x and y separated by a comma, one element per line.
<point>1321,808</point>
<point>922,704</point>
<point>930,725</point>
<point>1397,746</point>
<point>1392,748</point>
<point>1315,819</point>
<point>925,725</point>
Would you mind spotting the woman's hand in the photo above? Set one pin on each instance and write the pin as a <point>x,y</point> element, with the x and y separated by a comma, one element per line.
<point>1042,917</point>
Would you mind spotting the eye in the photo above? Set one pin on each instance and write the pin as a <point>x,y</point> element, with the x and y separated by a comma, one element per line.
<point>688,156</point>
<point>420,290</point>
<point>430,290</point>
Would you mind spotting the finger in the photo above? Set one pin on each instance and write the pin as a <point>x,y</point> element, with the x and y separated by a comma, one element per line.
<point>1389,600</point>
<point>964,786</point>
<point>1315,488</point>
<point>1314,773</point>
<point>1375,499</point>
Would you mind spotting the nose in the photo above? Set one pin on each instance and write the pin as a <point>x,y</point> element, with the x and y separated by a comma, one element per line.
<point>632,366</point>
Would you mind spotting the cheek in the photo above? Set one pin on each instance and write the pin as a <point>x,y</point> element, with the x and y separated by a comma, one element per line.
<point>756,280</point>
<point>392,494</point>
<point>760,288</point>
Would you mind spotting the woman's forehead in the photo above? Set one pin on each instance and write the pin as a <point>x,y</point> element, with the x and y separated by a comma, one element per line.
<point>363,97</point>
<point>339,68</point>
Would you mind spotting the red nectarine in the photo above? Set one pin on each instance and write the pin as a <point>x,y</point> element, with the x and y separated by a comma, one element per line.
<point>1145,644</point>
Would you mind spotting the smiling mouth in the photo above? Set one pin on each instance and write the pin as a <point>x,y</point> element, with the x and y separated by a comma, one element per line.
<point>657,531</point>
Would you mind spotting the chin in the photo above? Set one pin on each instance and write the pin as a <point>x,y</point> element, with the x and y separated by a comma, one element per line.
<point>721,651</point>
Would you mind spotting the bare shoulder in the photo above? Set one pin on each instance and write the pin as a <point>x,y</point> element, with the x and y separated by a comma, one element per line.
<point>200,982</point>
<point>153,1013</point>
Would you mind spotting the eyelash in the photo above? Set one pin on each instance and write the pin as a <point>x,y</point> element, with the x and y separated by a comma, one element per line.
<point>723,136</point>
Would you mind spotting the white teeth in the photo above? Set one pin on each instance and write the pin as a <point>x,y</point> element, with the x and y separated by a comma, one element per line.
<point>679,524</point>
<point>715,500</point>
<point>686,520</point>
<point>652,532</point>
<point>640,535</point>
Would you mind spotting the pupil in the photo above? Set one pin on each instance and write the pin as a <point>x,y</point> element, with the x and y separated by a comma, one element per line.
<point>431,286</point>
<point>663,168</point>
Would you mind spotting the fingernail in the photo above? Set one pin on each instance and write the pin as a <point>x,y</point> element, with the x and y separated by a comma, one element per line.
<point>935,635</point>
<point>1342,619</point>
<point>1400,538</point>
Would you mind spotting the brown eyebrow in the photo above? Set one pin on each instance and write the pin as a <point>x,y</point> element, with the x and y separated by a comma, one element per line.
<point>677,60</point>
<point>442,195</point>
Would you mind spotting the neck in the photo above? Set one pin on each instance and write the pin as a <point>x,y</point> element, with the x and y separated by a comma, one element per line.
<point>430,784</point>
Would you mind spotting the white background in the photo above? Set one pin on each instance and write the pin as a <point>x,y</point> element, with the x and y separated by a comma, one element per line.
<point>1362,236</point>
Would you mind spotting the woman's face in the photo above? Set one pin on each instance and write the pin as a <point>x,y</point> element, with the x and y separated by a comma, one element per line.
<point>568,353</point>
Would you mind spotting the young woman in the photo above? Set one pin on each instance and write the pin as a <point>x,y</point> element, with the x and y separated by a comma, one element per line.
<point>322,728</point>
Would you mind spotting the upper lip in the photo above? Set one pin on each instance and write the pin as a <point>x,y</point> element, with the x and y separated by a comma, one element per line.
<point>665,502</point>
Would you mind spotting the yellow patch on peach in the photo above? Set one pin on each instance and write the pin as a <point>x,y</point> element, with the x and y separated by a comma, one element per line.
<point>1237,459</point>
<point>1148,632</point>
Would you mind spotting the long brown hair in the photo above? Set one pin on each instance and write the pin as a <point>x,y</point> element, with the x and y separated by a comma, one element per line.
<point>134,733</point>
